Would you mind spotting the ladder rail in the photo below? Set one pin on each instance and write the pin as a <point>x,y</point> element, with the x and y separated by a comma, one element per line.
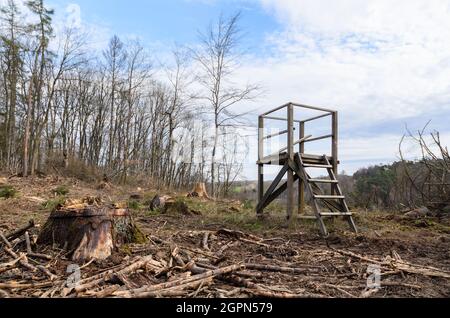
<point>316,208</point>
<point>338,188</point>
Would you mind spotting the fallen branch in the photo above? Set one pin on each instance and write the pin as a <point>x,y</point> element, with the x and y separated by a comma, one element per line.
<point>107,276</point>
<point>28,243</point>
<point>150,290</point>
<point>280,269</point>
<point>19,232</point>
<point>16,285</point>
<point>205,241</point>
<point>8,266</point>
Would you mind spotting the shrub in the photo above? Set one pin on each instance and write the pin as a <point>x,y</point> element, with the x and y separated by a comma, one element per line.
<point>248,205</point>
<point>61,191</point>
<point>7,192</point>
<point>134,205</point>
<point>54,204</point>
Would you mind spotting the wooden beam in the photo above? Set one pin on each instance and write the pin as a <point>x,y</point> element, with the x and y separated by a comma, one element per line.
<point>318,138</point>
<point>293,144</point>
<point>301,184</point>
<point>280,119</point>
<point>313,108</point>
<point>316,117</point>
<point>275,110</point>
<point>334,147</point>
<point>279,191</point>
<point>290,173</point>
<point>273,186</point>
<point>304,175</point>
<point>260,157</point>
<point>276,134</point>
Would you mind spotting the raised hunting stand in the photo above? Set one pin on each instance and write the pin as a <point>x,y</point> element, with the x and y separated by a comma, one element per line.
<point>295,163</point>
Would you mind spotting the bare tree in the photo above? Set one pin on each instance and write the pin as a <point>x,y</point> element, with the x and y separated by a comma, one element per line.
<point>431,178</point>
<point>218,57</point>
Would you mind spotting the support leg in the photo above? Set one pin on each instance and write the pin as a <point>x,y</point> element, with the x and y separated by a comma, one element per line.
<point>301,197</point>
<point>290,194</point>
<point>260,185</point>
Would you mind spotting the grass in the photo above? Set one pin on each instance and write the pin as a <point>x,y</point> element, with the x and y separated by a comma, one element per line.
<point>134,205</point>
<point>53,204</point>
<point>8,192</point>
<point>61,191</point>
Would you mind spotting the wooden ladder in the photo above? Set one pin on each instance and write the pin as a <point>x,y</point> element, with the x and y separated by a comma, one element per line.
<point>335,202</point>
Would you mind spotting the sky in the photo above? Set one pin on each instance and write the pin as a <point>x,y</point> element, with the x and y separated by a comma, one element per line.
<point>384,65</point>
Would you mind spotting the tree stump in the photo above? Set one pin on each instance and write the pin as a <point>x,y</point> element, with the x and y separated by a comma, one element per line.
<point>199,191</point>
<point>90,232</point>
<point>159,202</point>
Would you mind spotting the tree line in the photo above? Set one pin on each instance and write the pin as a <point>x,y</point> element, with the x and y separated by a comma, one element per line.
<point>117,113</point>
<point>405,183</point>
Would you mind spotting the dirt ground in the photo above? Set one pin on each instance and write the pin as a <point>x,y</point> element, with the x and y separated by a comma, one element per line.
<point>234,253</point>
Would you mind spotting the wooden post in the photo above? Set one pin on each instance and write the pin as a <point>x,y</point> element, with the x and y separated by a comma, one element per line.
<point>260,157</point>
<point>334,150</point>
<point>301,185</point>
<point>290,173</point>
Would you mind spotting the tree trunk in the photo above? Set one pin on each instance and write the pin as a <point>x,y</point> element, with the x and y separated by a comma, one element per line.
<point>26,141</point>
<point>90,232</point>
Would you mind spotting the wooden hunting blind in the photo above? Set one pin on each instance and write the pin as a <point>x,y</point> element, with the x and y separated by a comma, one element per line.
<point>297,164</point>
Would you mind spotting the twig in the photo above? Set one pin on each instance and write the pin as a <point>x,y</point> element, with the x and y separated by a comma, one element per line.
<point>8,266</point>
<point>104,277</point>
<point>273,268</point>
<point>205,241</point>
<point>27,240</point>
<point>150,290</point>
<point>21,231</point>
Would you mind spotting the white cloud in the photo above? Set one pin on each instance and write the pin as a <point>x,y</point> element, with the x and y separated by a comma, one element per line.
<point>375,61</point>
<point>96,33</point>
<point>406,19</point>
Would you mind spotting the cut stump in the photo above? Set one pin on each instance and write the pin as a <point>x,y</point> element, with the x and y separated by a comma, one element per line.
<point>159,202</point>
<point>90,232</point>
<point>199,191</point>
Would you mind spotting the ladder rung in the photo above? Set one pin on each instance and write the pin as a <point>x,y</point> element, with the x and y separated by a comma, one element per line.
<point>329,197</point>
<point>336,214</point>
<point>322,181</point>
<point>317,166</point>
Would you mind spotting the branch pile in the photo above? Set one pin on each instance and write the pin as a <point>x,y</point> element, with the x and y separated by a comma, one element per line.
<point>222,263</point>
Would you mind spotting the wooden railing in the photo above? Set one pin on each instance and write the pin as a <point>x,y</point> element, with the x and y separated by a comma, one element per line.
<point>291,140</point>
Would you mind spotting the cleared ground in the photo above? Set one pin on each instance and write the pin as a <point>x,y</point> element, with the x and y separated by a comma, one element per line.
<point>269,257</point>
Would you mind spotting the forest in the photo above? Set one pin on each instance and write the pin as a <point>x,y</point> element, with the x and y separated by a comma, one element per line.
<point>65,109</point>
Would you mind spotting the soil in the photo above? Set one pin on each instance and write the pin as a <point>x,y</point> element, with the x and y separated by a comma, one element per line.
<point>332,267</point>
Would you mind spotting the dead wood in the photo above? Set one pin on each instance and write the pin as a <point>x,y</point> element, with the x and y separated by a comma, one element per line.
<point>146,262</point>
<point>199,191</point>
<point>400,265</point>
<point>19,232</point>
<point>281,269</point>
<point>205,241</point>
<point>91,231</point>
<point>142,292</point>
<point>13,264</point>
<point>159,202</point>
<point>17,285</point>
<point>27,240</point>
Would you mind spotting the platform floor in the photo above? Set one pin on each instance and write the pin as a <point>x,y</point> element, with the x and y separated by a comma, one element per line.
<point>280,160</point>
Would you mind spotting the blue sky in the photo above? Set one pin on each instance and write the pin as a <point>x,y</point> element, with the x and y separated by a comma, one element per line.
<point>170,21</point>
<point>382,64</point>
